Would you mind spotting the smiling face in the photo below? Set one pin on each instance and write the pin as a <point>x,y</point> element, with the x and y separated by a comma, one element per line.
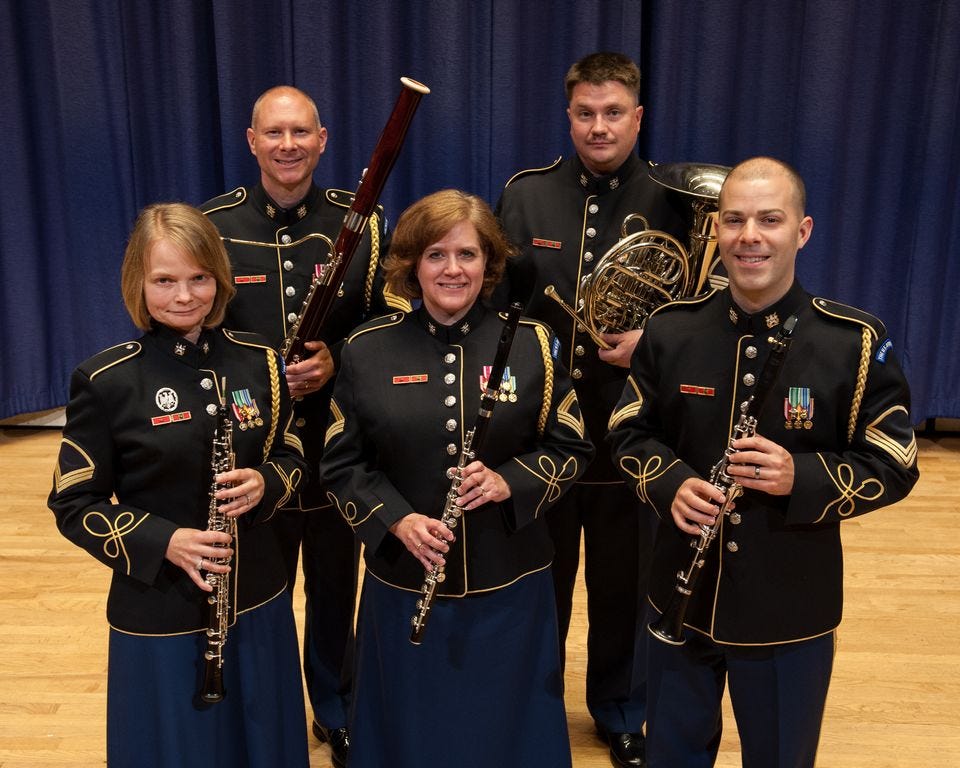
<point>450,273</point>
<point>287,140</point>
<point>760,228</point>
<point>177,291</point>
<point>604,124</point>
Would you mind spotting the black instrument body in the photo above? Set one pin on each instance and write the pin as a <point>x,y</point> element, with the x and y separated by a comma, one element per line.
<point>325,286</point>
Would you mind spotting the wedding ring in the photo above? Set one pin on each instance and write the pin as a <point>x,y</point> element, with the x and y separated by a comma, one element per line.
<point>419,546</point>
<point>756,473</point>
<point>247,497</point>
<point>200,564</point>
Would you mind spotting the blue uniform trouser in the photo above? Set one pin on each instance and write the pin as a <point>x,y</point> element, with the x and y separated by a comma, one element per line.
<point>331,556</point>
<point>617,539</point>
<point>777,692</point>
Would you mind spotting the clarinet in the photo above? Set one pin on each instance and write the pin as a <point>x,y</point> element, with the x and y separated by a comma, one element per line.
<point>326,285</point>
<point>211,688</point>
<point>471,444</point>
<point>669,627</point>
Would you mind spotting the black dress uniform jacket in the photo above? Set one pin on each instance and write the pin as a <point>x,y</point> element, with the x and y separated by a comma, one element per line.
<point>408,391</point>
<point>774,573</point>
<point>272,280</point>
<point>560,247</point>
<point>139,427</point>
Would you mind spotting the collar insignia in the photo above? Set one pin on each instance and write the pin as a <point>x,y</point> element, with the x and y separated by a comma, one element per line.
<point>271,211</point>
<point>180,349</point>
<point>772,320</point>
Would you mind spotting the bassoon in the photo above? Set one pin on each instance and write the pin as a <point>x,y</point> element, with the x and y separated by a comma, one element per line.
<point>325,286</point>
<point>669,627</point>
<point>471,444</point>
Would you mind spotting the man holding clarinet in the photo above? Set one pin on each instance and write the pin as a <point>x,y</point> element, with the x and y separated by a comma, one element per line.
<point>832,440</point>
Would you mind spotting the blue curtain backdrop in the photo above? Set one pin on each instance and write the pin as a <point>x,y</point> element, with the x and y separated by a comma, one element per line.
<point>108,105</point>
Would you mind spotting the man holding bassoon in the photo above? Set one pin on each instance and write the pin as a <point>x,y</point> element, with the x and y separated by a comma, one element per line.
<point>278,234</point>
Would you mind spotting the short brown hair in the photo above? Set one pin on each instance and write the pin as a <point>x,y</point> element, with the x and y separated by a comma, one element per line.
<point>765,167</point>
<point>426,222</point>
<point>187,228</point>
<point>602,67</point>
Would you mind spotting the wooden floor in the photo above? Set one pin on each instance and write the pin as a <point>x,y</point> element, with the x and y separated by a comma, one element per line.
<point>893,701</point>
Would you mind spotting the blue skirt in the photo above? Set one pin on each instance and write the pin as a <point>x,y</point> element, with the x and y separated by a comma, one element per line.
<point>153,720</point>
<point>483,689</point>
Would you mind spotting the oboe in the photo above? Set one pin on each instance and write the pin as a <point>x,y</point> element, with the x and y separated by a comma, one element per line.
<point>471,444</point>
<point>326,285</point>
<point>222,460</point>
<point>669,627</point>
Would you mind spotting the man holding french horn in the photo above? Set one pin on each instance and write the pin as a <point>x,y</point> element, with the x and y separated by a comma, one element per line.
<point>562,219</point>
<point>821,433</point>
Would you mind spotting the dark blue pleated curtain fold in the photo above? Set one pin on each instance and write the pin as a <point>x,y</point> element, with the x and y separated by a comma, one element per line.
<point>108,105</point>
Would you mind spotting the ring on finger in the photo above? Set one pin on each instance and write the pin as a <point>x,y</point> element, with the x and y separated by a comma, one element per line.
<point>200,564</point>
<point>756,472</point>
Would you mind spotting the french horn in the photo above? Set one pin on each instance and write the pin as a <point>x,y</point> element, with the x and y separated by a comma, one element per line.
<point>647,268</point>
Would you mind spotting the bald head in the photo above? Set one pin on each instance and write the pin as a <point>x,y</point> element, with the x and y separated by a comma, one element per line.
<point>767,168</point>
<point>281,91</point>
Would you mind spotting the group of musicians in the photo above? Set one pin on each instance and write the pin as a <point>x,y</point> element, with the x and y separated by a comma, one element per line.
<point>600,441</point>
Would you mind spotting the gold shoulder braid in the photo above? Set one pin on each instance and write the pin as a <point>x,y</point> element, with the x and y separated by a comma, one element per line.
<point>547,379</point>
<point>374,225</point>
<point>861,383</point>
<point>274,401</point>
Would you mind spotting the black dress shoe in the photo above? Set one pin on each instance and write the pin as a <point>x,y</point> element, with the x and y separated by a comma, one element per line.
<point>338,739</point>
<point>627,749</point>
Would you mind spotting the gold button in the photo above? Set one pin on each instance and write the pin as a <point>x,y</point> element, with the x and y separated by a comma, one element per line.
<point>451,425</point>
<point>576,373</point>
<point>449,401</point>
<point>450,378</point>
<point>732,546</point>
<point>285,239</point>
<point>749,379</point>
<point>750,352</point>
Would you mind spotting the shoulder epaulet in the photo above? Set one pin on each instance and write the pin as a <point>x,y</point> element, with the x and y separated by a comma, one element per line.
<point>246,338</point>
<point>531,171</point>
<point>851,315</point>
<point>678,304</point>
<point>377,324</point>
<point>110,357</point>
<point>343,198</point>
<point>226,200</point>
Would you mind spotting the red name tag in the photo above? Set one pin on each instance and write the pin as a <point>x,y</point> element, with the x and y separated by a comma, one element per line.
<point>242,279</point>
<point>691,389</point>
<point>542,243</point>
<point>415,378</point>
<point>170,418</point>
